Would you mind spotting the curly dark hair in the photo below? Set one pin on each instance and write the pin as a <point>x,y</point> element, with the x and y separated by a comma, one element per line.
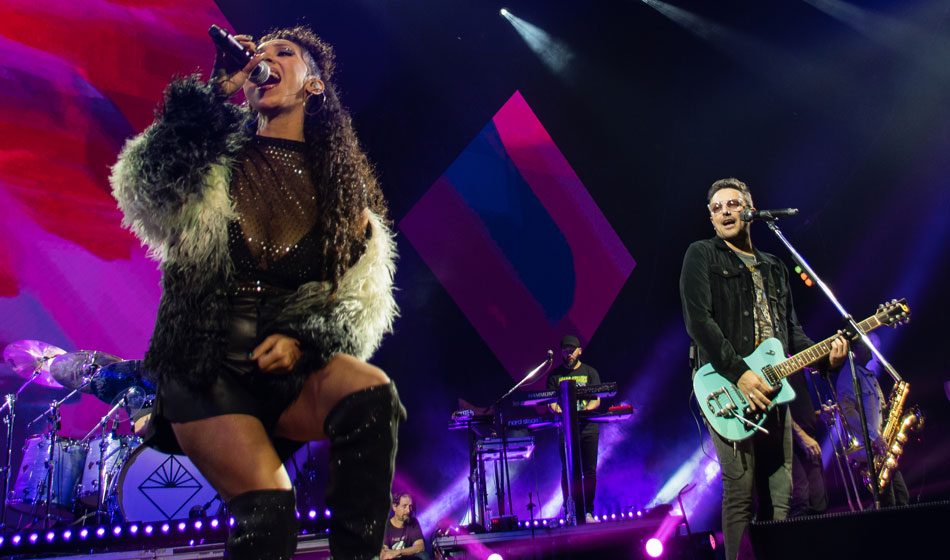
<point>341,173</point>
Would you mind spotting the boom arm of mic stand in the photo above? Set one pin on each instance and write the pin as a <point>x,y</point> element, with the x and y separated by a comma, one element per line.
<point>524,380</point>
<point>506,481</point>
<point>796,256</point>
<point>800,261</point>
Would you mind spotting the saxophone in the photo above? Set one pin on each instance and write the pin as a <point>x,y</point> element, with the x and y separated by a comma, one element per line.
<point>895,433</point>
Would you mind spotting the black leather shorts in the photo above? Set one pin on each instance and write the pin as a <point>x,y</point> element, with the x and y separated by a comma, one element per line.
<point>239,388</point>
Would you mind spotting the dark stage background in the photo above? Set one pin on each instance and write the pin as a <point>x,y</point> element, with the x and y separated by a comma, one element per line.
<point>838,109</point>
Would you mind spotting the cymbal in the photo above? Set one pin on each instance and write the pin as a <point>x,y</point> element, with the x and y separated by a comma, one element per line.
<point>109,383</point>
<point>28,356</point>
<point>70,369</point>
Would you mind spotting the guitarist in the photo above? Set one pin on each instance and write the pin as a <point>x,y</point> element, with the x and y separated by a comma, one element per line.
<point>734,297</point>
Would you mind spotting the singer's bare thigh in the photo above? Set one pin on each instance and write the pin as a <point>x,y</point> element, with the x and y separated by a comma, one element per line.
<point>234,453</point>
<point>343,375</point>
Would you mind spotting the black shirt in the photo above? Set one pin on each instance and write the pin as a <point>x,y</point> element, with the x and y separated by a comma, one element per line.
<point>583,375</point>
<point>399,538</point>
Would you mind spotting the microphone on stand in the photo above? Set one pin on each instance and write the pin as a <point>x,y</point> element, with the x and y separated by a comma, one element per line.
<point>766,215</point>
<point>227,43</point>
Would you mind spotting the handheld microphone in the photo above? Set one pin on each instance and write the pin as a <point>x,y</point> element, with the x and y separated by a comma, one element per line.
<point>227,43</point>
<point>767,215</point>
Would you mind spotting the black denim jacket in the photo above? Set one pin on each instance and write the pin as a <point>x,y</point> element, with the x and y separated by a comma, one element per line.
<point>718,300</point>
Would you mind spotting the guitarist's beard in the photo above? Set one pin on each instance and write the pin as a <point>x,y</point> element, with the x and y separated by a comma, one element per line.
<point>570,362</point>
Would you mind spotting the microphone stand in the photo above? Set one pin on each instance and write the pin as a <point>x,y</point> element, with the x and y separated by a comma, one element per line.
<point>9,403</point>
<point>505,475</point>
<point>796,256</point>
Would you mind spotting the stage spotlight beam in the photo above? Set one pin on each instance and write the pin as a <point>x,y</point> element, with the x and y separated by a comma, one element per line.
<point>554,54</point>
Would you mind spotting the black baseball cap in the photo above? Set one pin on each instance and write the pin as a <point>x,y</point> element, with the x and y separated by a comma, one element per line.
<point>570,340</point>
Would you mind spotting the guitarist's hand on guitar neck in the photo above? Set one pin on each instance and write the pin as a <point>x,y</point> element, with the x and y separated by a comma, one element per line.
<point>755,389</point>
<point>839,351</point>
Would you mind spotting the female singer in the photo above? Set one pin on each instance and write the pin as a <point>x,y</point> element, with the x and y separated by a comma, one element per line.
<point>277,267</point>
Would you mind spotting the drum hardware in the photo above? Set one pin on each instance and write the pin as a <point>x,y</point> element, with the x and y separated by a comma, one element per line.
<point>131,400</point>
<point>60,473</point>
<point>29,359</point>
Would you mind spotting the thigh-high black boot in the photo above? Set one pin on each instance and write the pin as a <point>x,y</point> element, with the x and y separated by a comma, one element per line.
<point>362,429</point>
<point>265,525</point>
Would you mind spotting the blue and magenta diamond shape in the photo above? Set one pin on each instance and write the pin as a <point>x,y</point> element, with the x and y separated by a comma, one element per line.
<point>517,241</point>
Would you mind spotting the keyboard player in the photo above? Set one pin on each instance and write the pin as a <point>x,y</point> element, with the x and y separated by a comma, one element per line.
<point>582,374</point>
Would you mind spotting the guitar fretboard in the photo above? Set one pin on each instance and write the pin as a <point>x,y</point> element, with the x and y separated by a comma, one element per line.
<point>818,351</point>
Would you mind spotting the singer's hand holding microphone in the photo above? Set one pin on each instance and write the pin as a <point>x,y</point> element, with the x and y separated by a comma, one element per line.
<point>236,60</point>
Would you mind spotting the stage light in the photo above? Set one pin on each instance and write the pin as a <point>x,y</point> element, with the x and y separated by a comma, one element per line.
<point>495,556</point>
<point>654,548</point>
<point>612,515</point>
<point>215,523</point>
<point>503,12</point>
<point>148,530</point>
<point>182,526</point>
<point>67,534</point>
<point>50,537</point>
<point>326,513</point>
<point>117,530</point>
<point>133,529</point>
<point>712,540</point>
<point>166,528</point>
<point>297,514</point>
<point>198,525</point>
<point>312,514</point>
<point>33,538</point>
<point>16,540</point>
<point>554,53</point>
<point>83,533</point>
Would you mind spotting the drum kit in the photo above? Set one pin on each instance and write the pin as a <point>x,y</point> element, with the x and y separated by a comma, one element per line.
<point>104,475</point>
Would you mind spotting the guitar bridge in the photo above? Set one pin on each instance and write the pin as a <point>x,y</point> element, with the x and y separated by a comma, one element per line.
<point>721,407</point>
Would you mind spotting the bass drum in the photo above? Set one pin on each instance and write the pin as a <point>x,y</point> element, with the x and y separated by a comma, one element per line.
<point>154,486</point>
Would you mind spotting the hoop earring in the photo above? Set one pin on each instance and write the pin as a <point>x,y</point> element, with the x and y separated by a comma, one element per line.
<point>323,97</point>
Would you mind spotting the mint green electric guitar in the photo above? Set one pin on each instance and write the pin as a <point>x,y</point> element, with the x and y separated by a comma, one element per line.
<point>727,409</point>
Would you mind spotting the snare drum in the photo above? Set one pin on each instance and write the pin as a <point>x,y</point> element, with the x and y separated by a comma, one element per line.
<point>154,486</point>
<point>29,492</point>
<point>117,449</point>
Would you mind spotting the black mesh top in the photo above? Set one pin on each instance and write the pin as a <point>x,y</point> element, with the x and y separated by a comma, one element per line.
<point>275,239</point>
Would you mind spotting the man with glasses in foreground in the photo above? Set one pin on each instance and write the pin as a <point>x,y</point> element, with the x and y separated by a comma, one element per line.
<point>734,297</point>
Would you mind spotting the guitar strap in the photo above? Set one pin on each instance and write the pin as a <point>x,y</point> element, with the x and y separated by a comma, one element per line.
<point>693,356</point>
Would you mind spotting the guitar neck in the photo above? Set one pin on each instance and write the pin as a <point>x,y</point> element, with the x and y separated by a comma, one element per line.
<point>817,352</point>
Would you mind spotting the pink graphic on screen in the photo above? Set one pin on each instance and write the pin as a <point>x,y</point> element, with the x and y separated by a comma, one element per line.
<point>78,78</point>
